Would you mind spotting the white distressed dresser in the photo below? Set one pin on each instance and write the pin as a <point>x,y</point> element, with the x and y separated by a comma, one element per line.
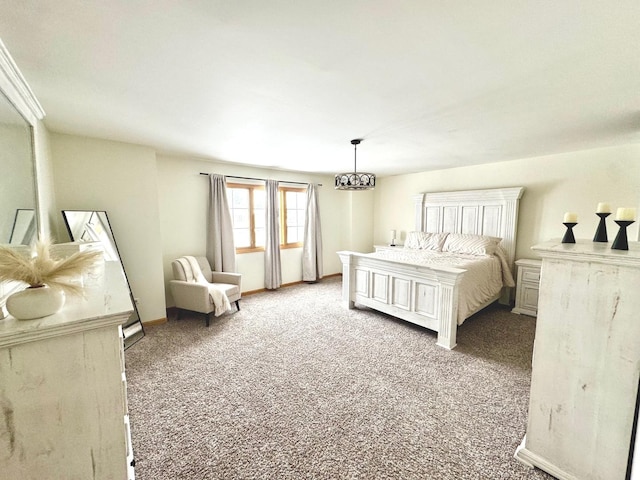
<point>586,361</point>
<point>63,407</point>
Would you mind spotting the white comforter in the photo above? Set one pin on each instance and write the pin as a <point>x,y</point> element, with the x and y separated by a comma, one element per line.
<point>484,277</point>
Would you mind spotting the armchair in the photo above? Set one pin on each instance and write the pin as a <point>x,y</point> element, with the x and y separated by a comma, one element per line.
<point>197,288</point>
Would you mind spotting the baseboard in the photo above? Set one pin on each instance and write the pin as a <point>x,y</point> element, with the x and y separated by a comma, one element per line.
<point>158,321</point>
<point>284,285</point>
<point>530,459</point>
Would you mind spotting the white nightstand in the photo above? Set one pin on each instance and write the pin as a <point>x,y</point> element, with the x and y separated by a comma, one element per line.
<point>387,247</point>
<point>527,286</point>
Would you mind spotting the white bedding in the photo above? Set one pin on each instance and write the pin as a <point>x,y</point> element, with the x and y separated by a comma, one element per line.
<point>484,277</point>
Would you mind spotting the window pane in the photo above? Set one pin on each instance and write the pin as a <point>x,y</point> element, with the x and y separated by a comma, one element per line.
<point>258,199</point>
<point>240,198</point>
<point>302,215</point>
<point>242,237</point>
<point>258,217</point>
<point>240,218</point>
<point>260,237</point>
<point>290,199</point>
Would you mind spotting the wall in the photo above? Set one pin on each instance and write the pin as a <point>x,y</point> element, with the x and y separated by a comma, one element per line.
<point>553,184</point>
<point>93,174</point>
<point>183,209</point>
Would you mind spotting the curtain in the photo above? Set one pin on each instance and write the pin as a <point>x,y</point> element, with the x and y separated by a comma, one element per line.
<point>221,250</point>
<point>312,248</point>
<point>272,268</point>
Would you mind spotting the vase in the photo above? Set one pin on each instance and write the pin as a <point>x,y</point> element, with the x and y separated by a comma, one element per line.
<point>35,302</point>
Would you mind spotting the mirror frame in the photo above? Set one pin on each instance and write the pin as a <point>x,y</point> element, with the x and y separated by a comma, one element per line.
<point>15,88</point>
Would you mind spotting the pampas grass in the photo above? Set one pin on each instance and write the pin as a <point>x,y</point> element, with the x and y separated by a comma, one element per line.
<point>40,268</point>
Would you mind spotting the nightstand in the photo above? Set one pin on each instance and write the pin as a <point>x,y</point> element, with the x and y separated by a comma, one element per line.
<point>379,248</point>
<point>527,286</point>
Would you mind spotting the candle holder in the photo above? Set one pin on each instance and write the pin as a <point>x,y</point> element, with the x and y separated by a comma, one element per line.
<point>620,243</point>
<point>601,232</point>
<point>568,235</point>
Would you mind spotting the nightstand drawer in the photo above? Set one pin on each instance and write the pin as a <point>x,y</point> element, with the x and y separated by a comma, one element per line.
<point>527,286</point>
<point>530,276</point>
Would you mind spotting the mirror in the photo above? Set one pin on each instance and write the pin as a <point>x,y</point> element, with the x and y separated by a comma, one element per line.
<point>90,226</point>
<point>18,224</point>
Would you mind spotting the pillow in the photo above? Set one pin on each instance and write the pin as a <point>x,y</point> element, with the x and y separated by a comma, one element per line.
<point>471,244</point>
<point>425,241</point>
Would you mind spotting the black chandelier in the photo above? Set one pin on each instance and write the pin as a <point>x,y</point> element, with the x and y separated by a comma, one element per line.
<point>354,180</point>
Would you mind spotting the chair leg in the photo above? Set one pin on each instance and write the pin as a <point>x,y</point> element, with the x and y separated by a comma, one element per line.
<point>178,313</point>
<point>208,318</point>
<point>238,304</point>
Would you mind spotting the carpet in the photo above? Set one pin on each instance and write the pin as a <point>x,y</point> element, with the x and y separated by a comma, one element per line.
<point>296,387</point>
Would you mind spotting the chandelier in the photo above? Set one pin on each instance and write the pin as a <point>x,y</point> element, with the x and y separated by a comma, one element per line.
<point>354,180</point>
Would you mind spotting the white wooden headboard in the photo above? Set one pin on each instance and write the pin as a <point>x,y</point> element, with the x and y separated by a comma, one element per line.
<point>491,212</point>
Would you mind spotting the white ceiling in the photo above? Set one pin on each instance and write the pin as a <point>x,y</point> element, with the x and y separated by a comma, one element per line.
<point>287,84</point>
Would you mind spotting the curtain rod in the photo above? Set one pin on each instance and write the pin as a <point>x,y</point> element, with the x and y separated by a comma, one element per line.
<point>262,179</point>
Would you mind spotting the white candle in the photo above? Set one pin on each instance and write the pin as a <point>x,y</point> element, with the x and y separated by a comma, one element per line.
<point>570,218</point>
<point>626,214</point>
<point>603,208</point>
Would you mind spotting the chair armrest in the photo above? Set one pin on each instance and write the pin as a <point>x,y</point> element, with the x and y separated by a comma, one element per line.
<point>191,296</point>
<point>227,277</point>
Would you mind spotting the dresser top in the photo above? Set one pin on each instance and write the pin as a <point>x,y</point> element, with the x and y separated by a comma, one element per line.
<point>100,306</point>
<point>589,251</point>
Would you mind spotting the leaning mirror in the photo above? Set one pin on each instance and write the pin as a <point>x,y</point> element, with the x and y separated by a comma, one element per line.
<point>91,226</point>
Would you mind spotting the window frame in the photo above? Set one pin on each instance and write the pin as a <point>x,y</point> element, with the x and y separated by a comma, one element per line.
<point>283,217</point>
<point>252,232</point>
<point>252,187</point>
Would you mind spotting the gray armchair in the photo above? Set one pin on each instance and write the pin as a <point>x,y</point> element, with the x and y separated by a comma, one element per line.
<point>200,291</point>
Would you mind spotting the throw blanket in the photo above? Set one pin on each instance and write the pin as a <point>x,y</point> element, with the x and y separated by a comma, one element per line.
<point>218,296</point>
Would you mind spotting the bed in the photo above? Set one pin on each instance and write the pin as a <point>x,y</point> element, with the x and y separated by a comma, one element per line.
<point>459,260</point>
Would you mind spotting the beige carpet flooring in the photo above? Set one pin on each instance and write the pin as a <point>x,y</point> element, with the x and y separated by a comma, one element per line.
<point>296,387</point>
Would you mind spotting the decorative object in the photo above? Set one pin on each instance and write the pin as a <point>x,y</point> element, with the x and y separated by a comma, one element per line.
<point>393,238</point>
<point>48,278</point>
<point>603,210</point>
<point>624,218</point>
<point>620,242</point>
<point>601,232</point>
<point>568,235</point>
<point>354,180</point>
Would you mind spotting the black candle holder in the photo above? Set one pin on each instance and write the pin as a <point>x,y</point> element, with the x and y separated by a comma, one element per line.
<point>620,243</point>
<point>601,232</point>
<point>568,235</point>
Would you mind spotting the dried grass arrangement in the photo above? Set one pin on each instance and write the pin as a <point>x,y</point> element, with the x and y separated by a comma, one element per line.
<point>41,269</point>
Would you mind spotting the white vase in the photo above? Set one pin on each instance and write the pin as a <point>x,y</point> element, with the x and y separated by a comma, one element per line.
<point>35,302</point>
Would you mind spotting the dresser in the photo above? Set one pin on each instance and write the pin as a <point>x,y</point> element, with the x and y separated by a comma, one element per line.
<point>527,286</point>
<point>63,404</point>
<point>586,361</point>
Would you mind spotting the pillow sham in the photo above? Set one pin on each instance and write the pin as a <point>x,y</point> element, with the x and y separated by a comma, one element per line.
<point>425,241</point>
<point>471,244</point>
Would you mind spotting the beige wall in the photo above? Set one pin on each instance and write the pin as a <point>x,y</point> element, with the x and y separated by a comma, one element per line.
<point>93,174</point>
<point>157,204</point>
<point>553,185</point>
<point>183,207</point>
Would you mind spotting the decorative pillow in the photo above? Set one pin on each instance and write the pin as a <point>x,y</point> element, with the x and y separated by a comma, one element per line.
<point>471,244</point>
<point>425,241</point>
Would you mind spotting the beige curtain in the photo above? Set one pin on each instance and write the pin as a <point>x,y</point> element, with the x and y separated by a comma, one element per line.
<point>272,268</point>
<point>221,249</point>
<point>312,247</point>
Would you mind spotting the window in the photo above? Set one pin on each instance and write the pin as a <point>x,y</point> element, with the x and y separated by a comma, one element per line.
<point>247,205</point>
<point>293,206</point>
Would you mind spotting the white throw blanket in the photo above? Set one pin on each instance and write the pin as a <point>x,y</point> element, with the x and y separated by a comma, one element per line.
<point>218,296</point>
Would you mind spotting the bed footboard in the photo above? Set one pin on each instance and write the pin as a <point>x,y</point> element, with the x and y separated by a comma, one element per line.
<point>426,296</point>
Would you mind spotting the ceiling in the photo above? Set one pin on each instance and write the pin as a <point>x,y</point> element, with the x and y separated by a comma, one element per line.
<point>287,84</point>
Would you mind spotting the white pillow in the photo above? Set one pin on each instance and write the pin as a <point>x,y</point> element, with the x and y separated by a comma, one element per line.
<point>425,241</point>
<point>471,244</point>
